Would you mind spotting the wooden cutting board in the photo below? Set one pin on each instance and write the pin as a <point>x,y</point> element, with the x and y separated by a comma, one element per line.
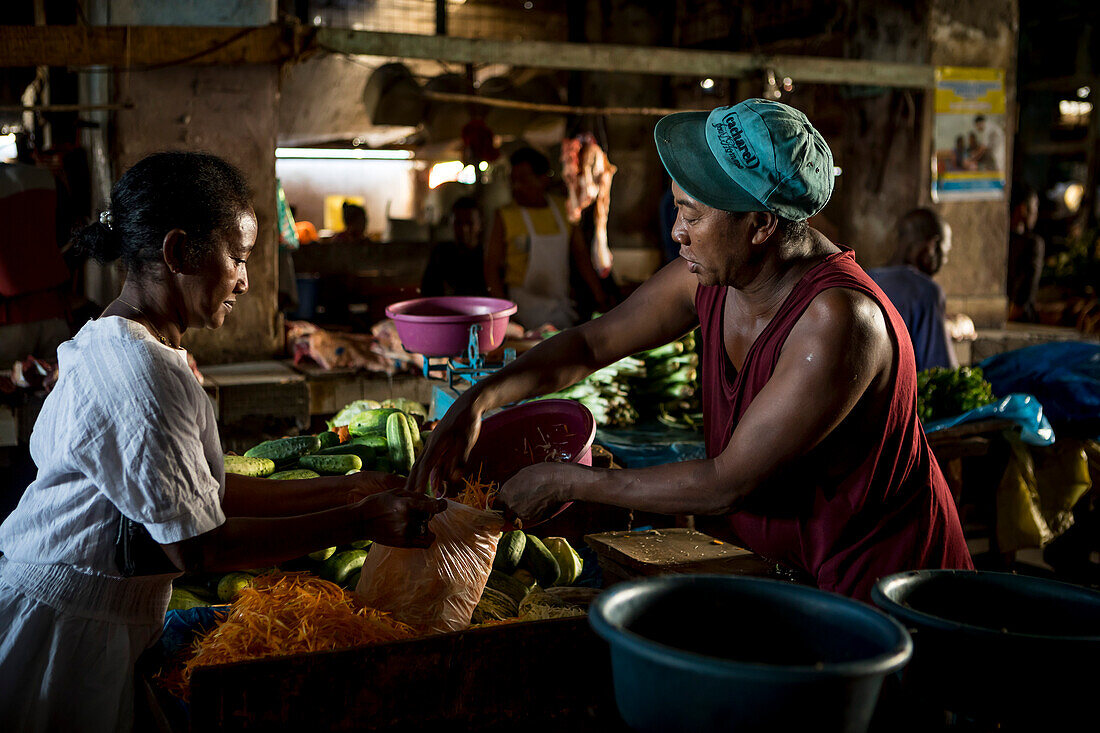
<point>625,555</point>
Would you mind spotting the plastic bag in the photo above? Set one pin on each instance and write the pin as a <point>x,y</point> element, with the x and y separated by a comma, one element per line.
<point>1024,409</point>
<point>1038,491</point>
<point>435,589</point>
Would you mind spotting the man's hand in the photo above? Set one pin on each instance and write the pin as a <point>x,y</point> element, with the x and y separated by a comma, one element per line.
<point>399,518</point>
<point>446,449</point>
<point>537,491</point>
<point>367,483</point>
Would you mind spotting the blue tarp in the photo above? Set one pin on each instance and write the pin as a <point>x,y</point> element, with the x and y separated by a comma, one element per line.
<point>651,444</point>
<point>1063,376</point>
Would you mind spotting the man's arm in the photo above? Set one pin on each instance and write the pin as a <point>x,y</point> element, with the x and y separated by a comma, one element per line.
<point>260,497</point>
<point>837,351</point>
<point>494,259</point>
<point>660,310</point>
<point>583,259</point>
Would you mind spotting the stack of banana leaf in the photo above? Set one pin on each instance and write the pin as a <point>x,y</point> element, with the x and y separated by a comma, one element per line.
<point>669,389</point>
<point>606,393</point>
<point>660,383</point>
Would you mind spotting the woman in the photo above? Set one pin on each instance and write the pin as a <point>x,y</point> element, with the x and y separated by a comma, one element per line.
<point>128,434</point>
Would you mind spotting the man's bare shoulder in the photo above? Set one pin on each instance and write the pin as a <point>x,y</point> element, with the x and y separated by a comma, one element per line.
<point>842,319</point>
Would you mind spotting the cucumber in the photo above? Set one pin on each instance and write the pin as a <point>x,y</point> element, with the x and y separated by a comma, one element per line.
<point>416,411</point>
<point>375,440</point>
<point>371,421</point>
<point>231,585</point>
<point>509,551</point>
<point>526,579</point>
<point>338,567</point>
<point>285,451</point>
<point>331,464</point>
<point>540,561</point>
<point>322,555</point>
<point>352,581</point>
<point>507,585</point>
<point>361,544</point>
<point>294,474</point>
<point>256,467</point>
<point>399,437</point>
<point>182,599</point>
<point>569,562</point>
<point>367,456</point>
<point>328,439</point>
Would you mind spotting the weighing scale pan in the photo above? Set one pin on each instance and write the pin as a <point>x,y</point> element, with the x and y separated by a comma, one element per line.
<point>440,327</point>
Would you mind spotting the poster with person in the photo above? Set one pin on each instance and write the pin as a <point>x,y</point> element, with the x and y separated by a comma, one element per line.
<point>969,139</point>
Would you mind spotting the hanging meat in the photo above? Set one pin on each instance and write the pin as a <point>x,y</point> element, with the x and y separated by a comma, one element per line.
<point>587,173</point>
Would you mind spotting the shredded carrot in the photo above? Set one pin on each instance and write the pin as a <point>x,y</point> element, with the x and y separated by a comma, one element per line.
<point>477,493</point>
<point>343,433</point>
<point>292,613</point>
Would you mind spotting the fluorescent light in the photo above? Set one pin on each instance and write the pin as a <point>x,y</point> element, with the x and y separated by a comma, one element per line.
<point>445,172</point>
<point>342,154</point>
<point>8,149</point>
<point>707,83</point>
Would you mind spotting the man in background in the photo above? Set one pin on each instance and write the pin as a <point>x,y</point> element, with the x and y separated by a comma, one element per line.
<point>532,250</point>
<point>923,243</point>
<point>355,225</point>
<point>1026,251</point>
<point>458,267</point>
<point>990,153</point>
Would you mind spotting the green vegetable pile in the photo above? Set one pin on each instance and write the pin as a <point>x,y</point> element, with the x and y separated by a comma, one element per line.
<point>660,383</point>
<point>943,392</point>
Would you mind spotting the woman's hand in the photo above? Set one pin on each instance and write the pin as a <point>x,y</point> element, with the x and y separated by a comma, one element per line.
<point>446,449</point>
<point>367,483</point>
<point>399,518</point>
<point>538,490</point>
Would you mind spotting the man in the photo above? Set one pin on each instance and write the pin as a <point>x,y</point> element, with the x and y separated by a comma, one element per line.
<point>990,153</point>
<point>816,457</point>
<point>532,249</point>
<point>923,243</point>
<point>458,267</point>
<point>1026,251</point>
<point>355,225</point>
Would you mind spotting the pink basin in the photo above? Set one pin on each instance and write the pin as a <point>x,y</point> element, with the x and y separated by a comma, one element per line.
<point>534,432</point>
<point>440,326</point>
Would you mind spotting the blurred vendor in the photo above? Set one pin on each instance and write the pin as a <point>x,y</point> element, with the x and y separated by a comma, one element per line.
<point>458,267</point>
<point>815,454</point>
<point>532,248</point>
<point>355,225</point>
<point>923,243</point>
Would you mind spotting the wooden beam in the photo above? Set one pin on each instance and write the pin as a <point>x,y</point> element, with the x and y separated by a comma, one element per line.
<point>154,47</point>
<point>142,46</point>
<point>620,58</point>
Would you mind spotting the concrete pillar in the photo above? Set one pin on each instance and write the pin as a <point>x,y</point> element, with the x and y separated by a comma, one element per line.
<point>977,34</point>
<point>228,111</point>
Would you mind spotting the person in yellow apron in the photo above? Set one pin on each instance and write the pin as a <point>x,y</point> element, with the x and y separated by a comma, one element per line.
<point>532,248</point>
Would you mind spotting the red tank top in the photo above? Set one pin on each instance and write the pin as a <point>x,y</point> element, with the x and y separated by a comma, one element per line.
<point>847,526</point>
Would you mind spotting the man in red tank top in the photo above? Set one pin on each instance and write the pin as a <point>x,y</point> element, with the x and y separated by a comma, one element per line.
<point>816,457</point>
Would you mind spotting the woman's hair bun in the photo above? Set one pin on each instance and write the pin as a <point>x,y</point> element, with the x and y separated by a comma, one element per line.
<point>98,242</point>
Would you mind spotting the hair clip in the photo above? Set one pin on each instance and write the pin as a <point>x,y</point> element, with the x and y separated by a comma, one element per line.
<point>106,219</point>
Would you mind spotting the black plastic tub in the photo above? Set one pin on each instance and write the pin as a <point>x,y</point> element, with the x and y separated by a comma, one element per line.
<point>726,653</point>
<point>998,647</point>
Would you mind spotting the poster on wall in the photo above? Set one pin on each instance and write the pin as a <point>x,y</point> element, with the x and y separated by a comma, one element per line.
<point>969,143</point>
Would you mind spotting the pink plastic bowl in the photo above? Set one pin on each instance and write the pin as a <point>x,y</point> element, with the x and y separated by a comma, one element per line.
<point>440,326</point>
<point>518,437</point>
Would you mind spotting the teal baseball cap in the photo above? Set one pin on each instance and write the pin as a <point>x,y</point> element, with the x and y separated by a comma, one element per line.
<point>757,155</point>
